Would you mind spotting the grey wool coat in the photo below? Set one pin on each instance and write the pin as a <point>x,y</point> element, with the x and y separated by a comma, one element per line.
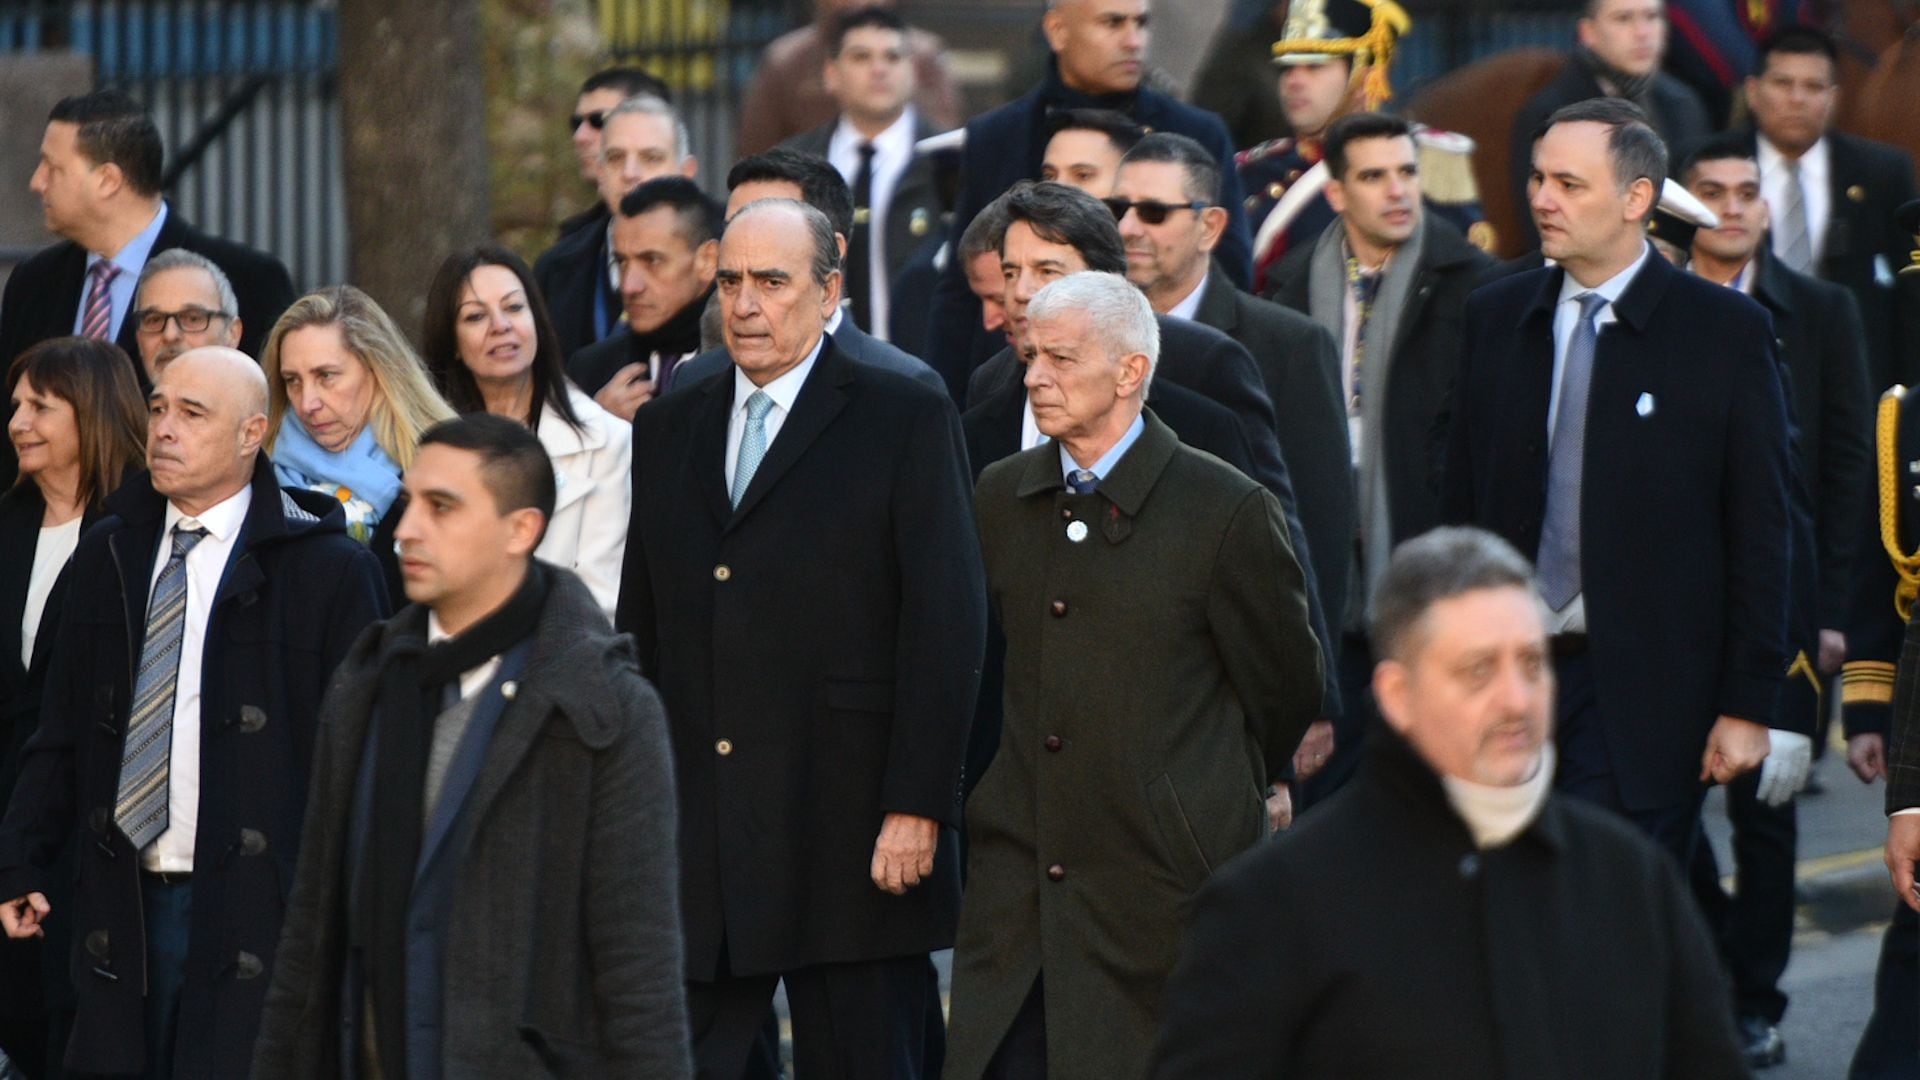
<point>563,949</point>
<point>1159,671</point>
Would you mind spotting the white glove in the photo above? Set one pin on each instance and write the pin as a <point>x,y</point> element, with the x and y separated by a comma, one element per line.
<point>1784,773</point>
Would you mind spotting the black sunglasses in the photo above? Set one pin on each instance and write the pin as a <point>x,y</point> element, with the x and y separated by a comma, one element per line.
<point>1151,211</point>
<point>598,118</point>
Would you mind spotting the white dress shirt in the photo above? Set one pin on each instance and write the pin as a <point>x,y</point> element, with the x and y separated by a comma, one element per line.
<point>172,851</point>
<point>892,154</point>
<point>1566,316</point>
<point>131,259</point>
<point>783,390</point>
<point>1816,192</point>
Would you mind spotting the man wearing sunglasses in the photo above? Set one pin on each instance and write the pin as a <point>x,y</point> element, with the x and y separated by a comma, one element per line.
<point>1388,279</point>
<point>183,302</point>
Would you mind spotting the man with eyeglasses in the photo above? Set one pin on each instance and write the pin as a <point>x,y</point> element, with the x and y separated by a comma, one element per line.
<point>641,138</point>
<point>99,186</point>
<point>183,302</point>
<point>1387,278</point>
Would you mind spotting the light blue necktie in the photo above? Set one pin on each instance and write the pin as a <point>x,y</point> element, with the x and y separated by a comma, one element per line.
<point>141,808</point>
<point>1559,557</point>
<point>753,443</point>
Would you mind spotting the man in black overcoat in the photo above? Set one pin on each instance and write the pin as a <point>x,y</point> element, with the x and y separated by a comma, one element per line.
<point>1511,931</point>
<point>1626,423</point>
<point>805,590</point>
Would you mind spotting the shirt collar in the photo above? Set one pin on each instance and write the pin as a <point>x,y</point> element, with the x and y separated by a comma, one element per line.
<point>1613,287</point>
<point>1109,459</point>
<point>222,520</point>
<point>895,142</point>
<point>133,257</point>
<point>839,313</point>
<point>783,390</point>
<point>1189,305</point>
<point>1813,163</point>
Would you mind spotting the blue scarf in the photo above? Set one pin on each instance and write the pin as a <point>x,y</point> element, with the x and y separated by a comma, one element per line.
<point>362,477</point>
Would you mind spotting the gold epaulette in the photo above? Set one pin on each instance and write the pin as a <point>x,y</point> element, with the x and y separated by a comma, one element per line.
<point>1905,564</point>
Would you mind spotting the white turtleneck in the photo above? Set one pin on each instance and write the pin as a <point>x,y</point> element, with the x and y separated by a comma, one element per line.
<point>1495,815</point>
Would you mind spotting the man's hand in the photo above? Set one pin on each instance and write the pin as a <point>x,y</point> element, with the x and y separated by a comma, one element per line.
<point>1903,847</point>
<point>1279,808</point>
<point>1833,652</point>
<point>1735,747</point>
<point>904,852</point>
<point>1789,760</point>
<point>1867,756</point>
<point>21,918</point>
<point>1315,748</point>
<point>626,391</point>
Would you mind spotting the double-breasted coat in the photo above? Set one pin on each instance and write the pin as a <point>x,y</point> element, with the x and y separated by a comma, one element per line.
<point>296,592</point>
<point>1158,669</point>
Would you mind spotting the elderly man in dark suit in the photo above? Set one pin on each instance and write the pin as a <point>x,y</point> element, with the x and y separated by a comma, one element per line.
<point>99,184</point>
<point>1508,930</point>
<point>1108,543</point>
<point>207,612</point>
<point>789,174</point>
<point>1387,279</point>
<point>818,733</point>
<point>897,203</point>
<point>1098,57</point>
<point>1626,422</point>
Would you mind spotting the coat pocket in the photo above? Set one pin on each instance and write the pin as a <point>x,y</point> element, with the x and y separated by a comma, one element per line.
<point>1177,839</point>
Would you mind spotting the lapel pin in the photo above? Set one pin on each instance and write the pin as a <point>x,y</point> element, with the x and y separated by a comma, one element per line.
<point>1644,406</point>
<point>1077,531</point>
<point>1857,193</point>
<point>508,689</point>
<point>918,224</point>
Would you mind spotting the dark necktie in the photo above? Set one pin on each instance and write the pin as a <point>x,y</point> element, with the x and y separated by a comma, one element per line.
<point>1082,481</point>
<point>1559,561</point>
<point>859,245</point>
<point>99,319</point>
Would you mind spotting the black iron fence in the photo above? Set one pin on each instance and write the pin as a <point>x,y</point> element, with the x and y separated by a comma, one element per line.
<point>243,93</point>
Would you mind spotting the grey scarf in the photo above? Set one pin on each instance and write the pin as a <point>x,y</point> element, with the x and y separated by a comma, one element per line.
<point>1635,88</point>
<point>1326,300</point>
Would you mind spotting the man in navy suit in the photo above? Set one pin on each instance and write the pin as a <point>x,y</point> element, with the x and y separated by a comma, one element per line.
<point>1625,422</point>
<point>1099,51</point>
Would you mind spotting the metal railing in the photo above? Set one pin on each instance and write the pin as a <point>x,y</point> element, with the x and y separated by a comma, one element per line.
<point>243,93</point>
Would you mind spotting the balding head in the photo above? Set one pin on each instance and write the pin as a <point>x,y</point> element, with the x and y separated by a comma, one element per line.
<point>779,282</point>
<point>207,417</point>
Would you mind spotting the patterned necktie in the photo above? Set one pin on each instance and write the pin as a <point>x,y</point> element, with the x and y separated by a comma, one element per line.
<point>141,809</point>
<point>860,244</point>
<point>1798,252</point>
<point>1366,287</point>
<point>1082,481</point>
<point>99,318</point>
<point>1559,557</point>
<point>753,443</point>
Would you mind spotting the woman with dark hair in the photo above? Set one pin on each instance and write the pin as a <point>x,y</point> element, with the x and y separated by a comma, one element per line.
<point>79,427</point>
<point>491,346</point>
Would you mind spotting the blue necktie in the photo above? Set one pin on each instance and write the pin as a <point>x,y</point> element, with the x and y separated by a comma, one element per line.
<point>141,807</point>
<point>1082,481</point>
<point>753,443</point>
<point>1559,556</point>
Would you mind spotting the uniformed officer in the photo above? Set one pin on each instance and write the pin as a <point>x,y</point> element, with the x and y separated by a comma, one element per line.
<point>1334,57</point>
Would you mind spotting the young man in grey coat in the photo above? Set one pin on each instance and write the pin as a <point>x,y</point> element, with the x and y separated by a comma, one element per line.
<point>489,883</point>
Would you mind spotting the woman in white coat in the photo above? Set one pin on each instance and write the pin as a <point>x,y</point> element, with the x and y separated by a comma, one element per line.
<point>491,345</point>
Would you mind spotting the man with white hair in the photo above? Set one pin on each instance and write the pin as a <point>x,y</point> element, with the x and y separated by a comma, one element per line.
<point>184,301</point>
<point>1118,785</point>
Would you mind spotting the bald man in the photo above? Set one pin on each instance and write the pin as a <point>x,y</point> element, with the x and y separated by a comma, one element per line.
<point>207,609</point>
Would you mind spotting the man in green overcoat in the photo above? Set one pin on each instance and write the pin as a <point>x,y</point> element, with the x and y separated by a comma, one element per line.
<point>1160,671</point>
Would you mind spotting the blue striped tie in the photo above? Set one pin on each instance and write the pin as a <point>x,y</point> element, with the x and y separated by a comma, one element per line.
<point>141,810</point>
<point>753,444</point>
<point>1559,555</point>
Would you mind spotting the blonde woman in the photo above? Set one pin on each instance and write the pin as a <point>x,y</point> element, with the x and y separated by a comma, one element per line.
<point>348,402</point>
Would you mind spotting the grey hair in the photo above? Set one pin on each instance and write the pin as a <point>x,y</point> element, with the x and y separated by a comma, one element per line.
<point>1633,149</point>
<point>1119,315</point>
<point>181,258</point>
<point>1437,565</point>
<point>648,105</point>
<point>826,244</point>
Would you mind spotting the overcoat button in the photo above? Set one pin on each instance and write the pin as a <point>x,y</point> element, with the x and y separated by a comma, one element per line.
<point>1053,744</point>
<point>252,841</point>
<point>1056,872</point>
<point>1058,607</point>
<point>252,718</point>
<point>723,747</point>
<point>723,572</point>
<point>248,966</point>
<point>98,945</point>
<point>1469,866</point>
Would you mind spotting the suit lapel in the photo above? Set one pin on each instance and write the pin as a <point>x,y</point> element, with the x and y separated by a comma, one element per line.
<point>471,756</point>
<point>1842,212</point>
<point>708,457</point>
<point>1218,308</point>
<point>821,398</point>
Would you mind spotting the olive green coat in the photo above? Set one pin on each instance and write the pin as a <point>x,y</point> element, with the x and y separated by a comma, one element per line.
<point>1159,671</point>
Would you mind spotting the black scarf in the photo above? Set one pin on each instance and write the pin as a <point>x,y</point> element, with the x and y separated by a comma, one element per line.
<point>677,336</point>
<point>413,680</point>
<point>1635,88</point>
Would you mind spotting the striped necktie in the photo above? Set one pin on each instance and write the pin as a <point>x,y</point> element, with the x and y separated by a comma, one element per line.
<point>99,321</point>
<point>141,809</point>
